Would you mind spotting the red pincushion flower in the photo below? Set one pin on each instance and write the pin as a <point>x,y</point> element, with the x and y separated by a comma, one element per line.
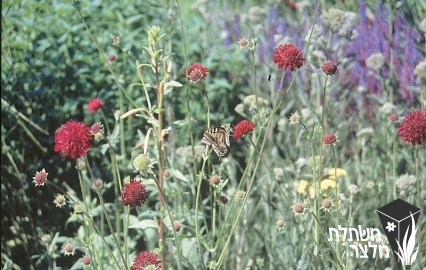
<point>393,117</point>
<point>329,138</point>
<point>288,56</point>
<point>73,139</point>
<point>145,258</point>
<point>134,193</point>
<point>196,72</point>
<point>95,104</point>
<point>413,128</point>
<point>329,67</point>
<point>242,129</point>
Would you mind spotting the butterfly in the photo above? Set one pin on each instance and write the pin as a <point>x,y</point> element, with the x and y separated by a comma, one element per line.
<point>218,139</point>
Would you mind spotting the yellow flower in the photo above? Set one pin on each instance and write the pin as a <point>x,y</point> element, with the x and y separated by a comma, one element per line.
<point>311,191</point>
<point>335,173</point>
<point>301,186</point>
<point>328,183</point>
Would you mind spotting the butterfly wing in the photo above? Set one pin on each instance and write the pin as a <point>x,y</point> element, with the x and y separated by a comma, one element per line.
<point>218,139</point>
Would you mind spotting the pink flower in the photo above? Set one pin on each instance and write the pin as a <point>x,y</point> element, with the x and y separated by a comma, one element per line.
<point>73,139</point>
<point>329,138</point>
<point>329,67</point>
<point>196,72</point>
<point>95,128</point>
<point>95,104</point>
<point>86,260</point>
<point>145,258</point>
<point>242,129</point>
<point>393,117</point>
<point>40,178</point>
<point>413,128</point>
<point>134,193</point>
<point>288,56</point>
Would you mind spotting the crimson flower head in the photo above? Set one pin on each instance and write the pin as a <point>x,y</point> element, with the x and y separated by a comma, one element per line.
<point>413,128</point>
<point>73,139</point>
<point>196,72</point>
<point>95,104</point>
<point>329,138</point>
<point>144,259</point>
<point>243,128</point>
<point>134,193</point>
<point>329,67</point>
<point>288,56</point>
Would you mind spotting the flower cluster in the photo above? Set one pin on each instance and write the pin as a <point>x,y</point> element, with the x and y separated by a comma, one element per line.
<point>329,67</point>
<point>95,104</point>
<point>196,72</point>
<point>243,128</point>
<point>288,56</point>
<point>406,183</point>
<point>73,139</point>
<point>413,128</point>
<point>144,259</point>
<point>134,193</point>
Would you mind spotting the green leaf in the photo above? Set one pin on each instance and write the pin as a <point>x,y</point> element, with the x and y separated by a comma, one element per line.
<point>177,174</point>
<point>144,224</point>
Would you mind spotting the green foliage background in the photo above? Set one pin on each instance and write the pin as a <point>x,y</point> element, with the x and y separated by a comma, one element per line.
<point>51,68</point>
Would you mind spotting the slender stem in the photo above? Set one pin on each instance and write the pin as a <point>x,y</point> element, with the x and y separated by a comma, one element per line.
<point>197,201</point>
<point>207,105</point>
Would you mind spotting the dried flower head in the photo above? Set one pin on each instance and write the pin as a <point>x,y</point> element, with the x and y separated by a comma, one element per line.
<point>413,128</point>
<point>166,173</point>
<point>327,204</point>
<point>196,72</point>
<point>214,180</point>
<point>144,259</point>
<point>243,128</point>
<point>251,102</point>
<point>134,193</point>
<point>333,19</point>
<point>294,118</point>
<point>370,184</point>
<point>69,249</point>
<point>288,56</point>
<point>329,139</point>
<point>59,200</point>
<point>177,226</point>
<point>73,139</point>
<point>298,209</point>
<point>78,208</point>
<point>86,260</point>
<point>95,128</point>
<point>420,72</point>
<point>353,189</point>
<point>329,67</point>
<point>406,183</point>
<point>223,199</point>
<point>240,194</point>
<point>243,42</point>
<point>280,224</point>
<point>393,117</point>
<point>112,57</point>
<point>375,61</point>
<point>115,41</point>
<point>40,178</point>
<point>95,104</point>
